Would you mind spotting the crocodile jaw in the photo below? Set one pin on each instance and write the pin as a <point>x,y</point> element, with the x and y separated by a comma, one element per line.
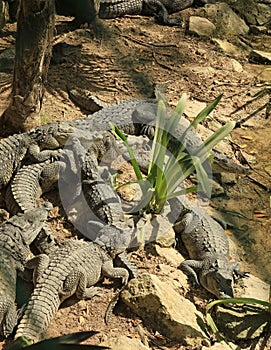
<point>218,283</point>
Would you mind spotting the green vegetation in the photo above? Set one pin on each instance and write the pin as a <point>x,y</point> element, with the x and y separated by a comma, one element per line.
<point>164,175</point>
<point>65,342</point>
<point>249,301</point>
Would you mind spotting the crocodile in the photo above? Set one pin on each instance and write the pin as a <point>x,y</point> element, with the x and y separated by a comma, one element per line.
<point>99,193</point>
<point>38,145</point>
<point>88,10</point>
<point>207,244</point>
<point>16,235</point>
<point>74,267</point>
<point>137,117</point>
<point>29,183</point>
<point>33,180</point>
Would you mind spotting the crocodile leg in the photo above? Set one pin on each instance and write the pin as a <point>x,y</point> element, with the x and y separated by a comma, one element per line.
<point>188,267</point>
<point>115,272</point>
<point>160,12</point>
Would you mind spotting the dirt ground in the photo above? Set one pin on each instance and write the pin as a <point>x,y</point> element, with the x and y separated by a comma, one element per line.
<point>125,59</point>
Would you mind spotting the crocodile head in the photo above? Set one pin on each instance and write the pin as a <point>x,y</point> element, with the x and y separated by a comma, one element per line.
<point>223,163</point>
<point>218,283</point>
<point>217,277</point>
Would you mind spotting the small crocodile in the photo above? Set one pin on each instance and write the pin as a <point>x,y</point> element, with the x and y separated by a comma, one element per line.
<point>39,144</point>
<point>75,267</point>
<point>208,248</point>
<point>16,235</point>
<point>29,183</point>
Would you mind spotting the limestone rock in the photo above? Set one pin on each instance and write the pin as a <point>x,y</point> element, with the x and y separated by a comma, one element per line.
<point>159,305</point>
<point>193,108</point>
<point>227,47</point>
<point>242,321</point>
<point>217,189</point>
<point>236,66</point>
<point>254,287</point>
<point>220,346</point>
<point>157,228</point>
<point>225,19</point>
<point>258,56</point>
<point>201,26</point>
<point>173,257</point>
<point>124,343</point>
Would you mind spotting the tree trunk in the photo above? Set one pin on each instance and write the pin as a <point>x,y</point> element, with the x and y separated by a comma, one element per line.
<point>35,30</point>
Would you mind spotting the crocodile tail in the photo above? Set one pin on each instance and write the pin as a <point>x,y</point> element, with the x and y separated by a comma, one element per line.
<point>40,310</point>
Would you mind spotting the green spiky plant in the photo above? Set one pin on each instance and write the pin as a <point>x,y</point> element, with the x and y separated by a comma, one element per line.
<point>65,342</point>
<point>164,177</point>
<point>248,301</point>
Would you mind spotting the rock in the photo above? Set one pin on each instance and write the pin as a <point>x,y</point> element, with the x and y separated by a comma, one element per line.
<point>200,26</point>
<point>7,58</point>
<point>242,321</point>
<point>258,29</point>
<point>220,346</point>
<point>124,343</point>
<point>173,257</point>
<point>261,57</point>
<point>157,228</point>
<point>227,47</point>
<point>228,178</point>
<point>236,66</point>
<point>224,18</point>
<point>253,287</point>
<point>217,189</point>
<point>160,306</point>
<point>178,278</point>
<point>193,108</point>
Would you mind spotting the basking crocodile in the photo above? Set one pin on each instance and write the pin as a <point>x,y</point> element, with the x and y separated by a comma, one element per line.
<point>16,235</point>
<point>33,180</point>
<point>99,193</point>
<point>75,267</point>
<point>87,10</point>
<point>38,144</point>
<point>29,183</point>
<point>138,116</point>
<point>208,248</point>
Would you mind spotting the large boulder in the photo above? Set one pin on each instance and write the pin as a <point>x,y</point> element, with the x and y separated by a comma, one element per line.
<point>225,19</point>
<point>165,310</point>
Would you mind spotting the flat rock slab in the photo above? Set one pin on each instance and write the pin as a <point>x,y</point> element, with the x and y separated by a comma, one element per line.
<point>242,322</point>
<point>200,26</point>
<point>159,305</point>
<point>261,57</point>
<point>124,343</point>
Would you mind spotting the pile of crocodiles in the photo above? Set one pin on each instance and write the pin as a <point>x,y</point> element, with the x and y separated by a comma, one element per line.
<point>73,154</point>
<point>87,10</point>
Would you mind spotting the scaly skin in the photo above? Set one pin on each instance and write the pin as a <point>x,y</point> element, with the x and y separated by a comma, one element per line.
<point>75,267</point>
<point>38,144</point>
<point>208,249</point>
<point>16,234</point>
<point>27,185</point>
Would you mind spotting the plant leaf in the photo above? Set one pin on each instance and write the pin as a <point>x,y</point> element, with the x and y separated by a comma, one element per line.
<point>135,165</point>
<point>203,151</point>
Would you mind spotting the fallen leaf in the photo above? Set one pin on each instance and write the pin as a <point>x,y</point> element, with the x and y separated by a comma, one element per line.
<point>259,215</point>
<point>246,137</point>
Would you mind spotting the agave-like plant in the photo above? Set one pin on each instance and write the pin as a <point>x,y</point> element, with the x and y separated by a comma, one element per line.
<point>164,177</point>
<point>65,342</point>
<point>248,301</point>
